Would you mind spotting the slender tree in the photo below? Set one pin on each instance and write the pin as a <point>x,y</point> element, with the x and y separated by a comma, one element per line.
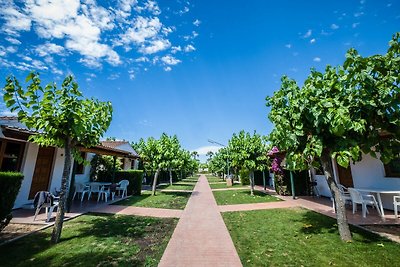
<point>65,119</point>
<point>248,152</point>
<point>340,114</point>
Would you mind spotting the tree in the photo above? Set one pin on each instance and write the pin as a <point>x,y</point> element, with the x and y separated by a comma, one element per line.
<point>340,114</point>
<point>157,155</point>
<point>248,152</point>
<point>65,119</point>
<point>218,162</point>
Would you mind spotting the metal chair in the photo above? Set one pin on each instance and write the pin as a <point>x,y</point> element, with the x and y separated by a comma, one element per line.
<point>364,200</point>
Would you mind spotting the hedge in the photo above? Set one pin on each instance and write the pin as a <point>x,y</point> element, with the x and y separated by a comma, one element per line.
<point>134,177</point>
<point>10,183</point>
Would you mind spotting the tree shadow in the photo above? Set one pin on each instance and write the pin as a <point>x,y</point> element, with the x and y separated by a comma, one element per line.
<point>316,223</point>
<point>94,240</point>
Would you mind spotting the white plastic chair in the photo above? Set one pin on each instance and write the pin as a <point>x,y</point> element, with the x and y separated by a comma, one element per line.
<point>48,204</point>
<point>344,193</point>
<point>94,188</point>
<point>364,200</point>
<point>122,186</point>
<point>104,193</point>
<point>396,202</point>
<point>81,189</point>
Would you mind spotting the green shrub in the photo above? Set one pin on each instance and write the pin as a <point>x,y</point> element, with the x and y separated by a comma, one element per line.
<point>134,177</point>
<point>10,183</point>
<point>102,168</point>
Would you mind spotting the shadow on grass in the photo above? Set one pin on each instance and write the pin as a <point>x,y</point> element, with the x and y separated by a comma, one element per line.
<point>315,223</point>
<point>94,240</point>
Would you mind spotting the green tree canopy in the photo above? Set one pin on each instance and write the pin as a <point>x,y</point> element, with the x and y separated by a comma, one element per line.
<point>64,119</point>
<point>248,152</point>
<point>339,114</point>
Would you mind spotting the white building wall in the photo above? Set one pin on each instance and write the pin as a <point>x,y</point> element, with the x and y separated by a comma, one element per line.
<point>27,168</point>
<point>367,173</point>
<point>370,173</point>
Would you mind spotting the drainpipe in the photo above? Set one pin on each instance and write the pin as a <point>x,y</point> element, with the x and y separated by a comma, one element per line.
<point>292,184</point>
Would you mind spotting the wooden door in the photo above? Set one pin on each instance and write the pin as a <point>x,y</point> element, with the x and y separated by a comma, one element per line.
<point>41,175</point>
<point>345,177</point>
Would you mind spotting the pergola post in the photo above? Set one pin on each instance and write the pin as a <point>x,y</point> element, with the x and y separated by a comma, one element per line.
<point>292,184</point>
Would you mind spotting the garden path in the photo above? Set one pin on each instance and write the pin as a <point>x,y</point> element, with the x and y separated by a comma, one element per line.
<point>201,237</point>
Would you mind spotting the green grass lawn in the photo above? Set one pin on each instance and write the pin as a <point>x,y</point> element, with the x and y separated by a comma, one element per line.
<point>192,179</point>
<point>213,179</point>
<point>228,197</point>
<point>298,237</point>
<point>179,185</point>
<point>166,200</point>
<point>223,185</point>
<point>94,240</point>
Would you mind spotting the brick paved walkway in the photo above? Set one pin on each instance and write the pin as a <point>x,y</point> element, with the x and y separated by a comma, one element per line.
<point>201,237</point>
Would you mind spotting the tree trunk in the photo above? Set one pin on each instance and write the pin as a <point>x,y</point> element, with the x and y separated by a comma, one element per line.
<point>55,237</point>
<point>170,176</point>
<point>153,191</point>
<point>251,176</point>
<point>341,217</point>
<point>264,182</point>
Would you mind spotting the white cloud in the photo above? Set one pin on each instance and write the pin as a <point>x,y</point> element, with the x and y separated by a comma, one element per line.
<point>153,7</point>
<point>48,49</point>
<point>334,26</point>
<point>155,46</point>
<point>142,29</point>
<point>312,41</point>
<point>358,14</point>
<point>355,25</point>
<point>307,34</point>
<point>13,41</point>
<point>170,60</point>
<point>176,49</point>
<point>92,30</point>
<point>189,48</point>
<point>167,69</point>
<point>196,23</point>
<point>15,19</point>
<point>288,46</point>
<point>131,74</point>
<point>317,59</point>
<point>204,149</point>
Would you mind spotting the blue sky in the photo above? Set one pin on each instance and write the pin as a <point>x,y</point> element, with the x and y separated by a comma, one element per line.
<point>199,69</point>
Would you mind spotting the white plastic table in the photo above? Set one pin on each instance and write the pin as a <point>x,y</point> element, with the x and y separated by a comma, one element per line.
<point>378,192</point>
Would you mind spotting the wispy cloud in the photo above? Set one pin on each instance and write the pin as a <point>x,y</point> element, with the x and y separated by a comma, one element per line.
<point>288,46</point>
<point>308,34</point>
<point>317,59</point>
<point>312,41</point>
<point>334,26</point>
<point>196,22</point>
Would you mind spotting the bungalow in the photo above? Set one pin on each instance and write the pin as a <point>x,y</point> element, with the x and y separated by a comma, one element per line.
<point>42,166</point>
<point>367,173</point>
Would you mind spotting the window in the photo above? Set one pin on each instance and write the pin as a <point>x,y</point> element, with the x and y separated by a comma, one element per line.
<point>11,154</point>
<point>80,167</point>
<point>392,169</point>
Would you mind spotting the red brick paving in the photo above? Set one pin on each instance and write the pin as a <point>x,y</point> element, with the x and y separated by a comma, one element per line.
<point>201,237</point>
